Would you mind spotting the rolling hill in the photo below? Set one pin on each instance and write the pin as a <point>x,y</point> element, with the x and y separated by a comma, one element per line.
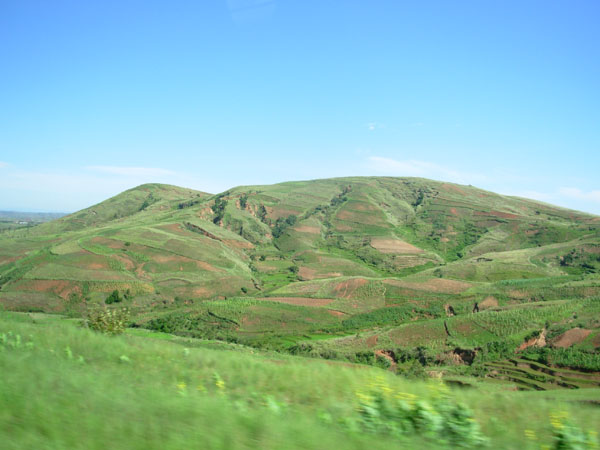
<point>367,269</point>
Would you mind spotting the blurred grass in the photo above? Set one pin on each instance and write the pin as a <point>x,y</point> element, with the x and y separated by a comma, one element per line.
<point>64,387</point>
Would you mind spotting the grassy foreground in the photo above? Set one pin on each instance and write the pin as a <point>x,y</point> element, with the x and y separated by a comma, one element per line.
<point>63,386</point>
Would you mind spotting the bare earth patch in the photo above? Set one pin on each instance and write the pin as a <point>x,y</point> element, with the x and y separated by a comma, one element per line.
<point>571,337</point>
<point>62,288</point>
<point>346,289</point>
<point>299,301</point>
<point>488,302</point>
<point>308,229</point>
<point>394,246</point>
<point>439,285</point>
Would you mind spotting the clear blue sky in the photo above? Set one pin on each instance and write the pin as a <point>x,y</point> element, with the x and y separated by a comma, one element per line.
<point>99,96</point>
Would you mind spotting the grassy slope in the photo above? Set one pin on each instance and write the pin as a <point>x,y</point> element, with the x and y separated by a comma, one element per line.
<point>363,255</point>
<point>68,387</point>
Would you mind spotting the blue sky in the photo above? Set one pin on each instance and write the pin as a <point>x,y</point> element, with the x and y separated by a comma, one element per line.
<point>99,96</point>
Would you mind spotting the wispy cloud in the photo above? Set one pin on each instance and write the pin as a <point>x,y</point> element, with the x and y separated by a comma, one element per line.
<point>571,192</point>
<point>131,171</point>
<point>372,126</point>
<point>416,168</point>
<point>3,164</point>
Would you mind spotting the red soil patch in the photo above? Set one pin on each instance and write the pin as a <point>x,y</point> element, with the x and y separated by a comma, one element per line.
<point>274,212</point>
<point>127,263</point>
<point>183,259</point>
<point>299,301</point>
<point>453,211</point>
<point>346,289</point>
<point>110,243</point>
<point>372,341</point>
<point>307,273</point>
<point>394,246</point>
<point>388,356</point>
<point>203,292</point>
<point>488,302</point>
<point>571,337</point>
<point>235,243</point>
<point>439,285</point>
<point>7,259</point>
<point>307,229</point>
<point>539,341</point>
<point>333,312</point>
<point>452,188</point>
<point>363,207</point>
<point>341,227</point>
<point>62,288</point>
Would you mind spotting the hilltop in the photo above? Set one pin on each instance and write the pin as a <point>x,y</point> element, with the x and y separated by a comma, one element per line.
<point>366,269</point>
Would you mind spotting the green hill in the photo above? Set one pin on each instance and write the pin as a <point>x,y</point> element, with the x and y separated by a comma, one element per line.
<point>303,266</point>
<point>420,278</point>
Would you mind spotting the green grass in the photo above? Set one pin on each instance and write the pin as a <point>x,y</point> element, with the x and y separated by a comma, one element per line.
<point>142,391</point>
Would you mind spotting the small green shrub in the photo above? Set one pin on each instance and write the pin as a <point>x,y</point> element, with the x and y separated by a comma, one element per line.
<point>114,297</point>
<point>109,321</point>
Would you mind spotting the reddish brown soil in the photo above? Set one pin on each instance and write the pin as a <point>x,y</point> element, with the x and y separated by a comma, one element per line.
<point>62,288</point>
<point>234,243</point>
<point>394,246</point>
<point>346,289</point>
<point>277,212</point>
<point>439,285</point>
<point>341,227</point>
<point>539,341</point>
<point>571,337</point>
<point>300,301</point>
<point>127,263</point>
<point>488,302</point>
<point>364,207</point>
<point>386,355</point>
<point>168,258</point>
<point>110,243</point>
<point>452,188</point>
<point>372,341</point>
<point>453,211</point>
<point>333,312</point>
<point>307,229</point>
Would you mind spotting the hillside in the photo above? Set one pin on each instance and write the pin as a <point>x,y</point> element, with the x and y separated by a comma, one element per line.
<point>378,270</point>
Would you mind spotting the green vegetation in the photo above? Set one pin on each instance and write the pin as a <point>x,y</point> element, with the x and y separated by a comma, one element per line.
<point>168,392</point>
<point>417,278</point>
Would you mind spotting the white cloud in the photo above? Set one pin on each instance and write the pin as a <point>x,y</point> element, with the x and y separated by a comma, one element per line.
<point>131,171</point>
<point>3,164</point>
<point>372,126</point>
<point>578,194</point>
<point>415,168</point>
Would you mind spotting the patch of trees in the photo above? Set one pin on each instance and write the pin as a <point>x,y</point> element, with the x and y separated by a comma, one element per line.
<point>148,201</point>
<point>219,209</point>
<point>188,204</point>
<point>341,197</point>
<point>282,224</point>
<point>115,297</point>
<point>243,201</point>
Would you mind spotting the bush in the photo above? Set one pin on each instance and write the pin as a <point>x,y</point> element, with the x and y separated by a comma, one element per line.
<point>114,297</point>
<point>109,321</point>
<point>441,420</point>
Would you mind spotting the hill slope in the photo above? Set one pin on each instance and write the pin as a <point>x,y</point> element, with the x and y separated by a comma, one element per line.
<point>302,261</point>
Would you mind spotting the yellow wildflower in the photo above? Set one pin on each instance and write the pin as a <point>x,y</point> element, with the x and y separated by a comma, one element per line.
<point>530,434</point>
